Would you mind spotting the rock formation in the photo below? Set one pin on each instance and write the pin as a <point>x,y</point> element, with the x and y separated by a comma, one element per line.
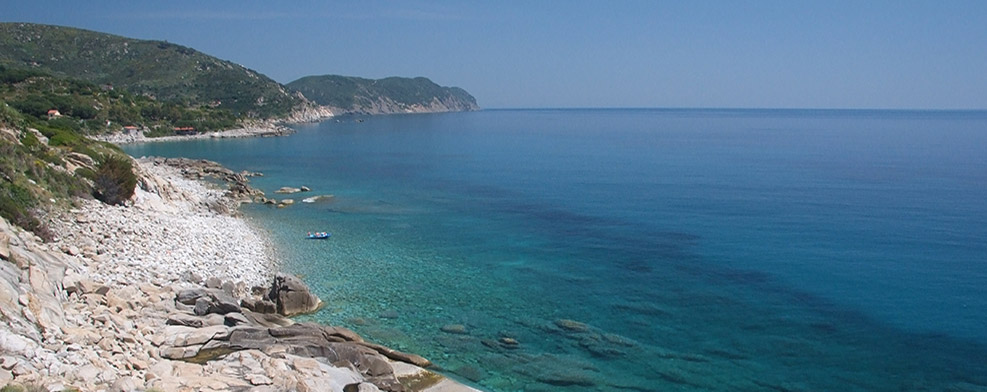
<point>157,295</point>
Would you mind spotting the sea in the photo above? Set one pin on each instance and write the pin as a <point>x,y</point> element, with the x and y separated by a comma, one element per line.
<point>643,249</point>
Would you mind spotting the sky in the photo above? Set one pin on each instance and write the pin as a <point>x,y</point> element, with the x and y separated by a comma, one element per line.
<point>871,54</point>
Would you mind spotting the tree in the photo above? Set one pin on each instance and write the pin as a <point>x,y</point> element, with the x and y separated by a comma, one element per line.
<point>115,181</point>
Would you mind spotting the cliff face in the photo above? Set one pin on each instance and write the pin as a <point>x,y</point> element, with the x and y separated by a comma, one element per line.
<point>352,95</point>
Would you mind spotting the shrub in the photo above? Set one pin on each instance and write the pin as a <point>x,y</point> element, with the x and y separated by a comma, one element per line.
<point>115,180</point>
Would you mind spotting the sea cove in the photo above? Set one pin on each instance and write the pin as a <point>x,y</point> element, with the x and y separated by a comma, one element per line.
<point>644,249</point>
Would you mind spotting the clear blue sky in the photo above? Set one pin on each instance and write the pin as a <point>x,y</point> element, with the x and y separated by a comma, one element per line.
<point>776,54</point>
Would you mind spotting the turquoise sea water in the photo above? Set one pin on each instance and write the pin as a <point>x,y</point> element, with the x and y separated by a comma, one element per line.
<point>645,249</point>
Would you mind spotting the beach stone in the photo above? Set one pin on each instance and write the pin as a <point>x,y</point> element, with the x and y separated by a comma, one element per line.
<point>229,288</point>
<point>189,296</point>
<point>214,283</point>
<point>304,188</point>
<point>72,250</point>
<point>80,336</point>
<point>291,296</point>
<point>126,384</point>
<point>184,319</point>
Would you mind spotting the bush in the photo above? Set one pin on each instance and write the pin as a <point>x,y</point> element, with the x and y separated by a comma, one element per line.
<point>15,204</point>
<point>115,181</point>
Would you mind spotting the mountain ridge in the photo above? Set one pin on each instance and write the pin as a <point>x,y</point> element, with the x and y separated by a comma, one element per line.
<point>158,69</point>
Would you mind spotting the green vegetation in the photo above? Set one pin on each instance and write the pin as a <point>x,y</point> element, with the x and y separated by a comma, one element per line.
<point>115,181</point>
<point>45,161</point>
<point>156,70</point>
<point>89,109</point>
<point>357,94</point>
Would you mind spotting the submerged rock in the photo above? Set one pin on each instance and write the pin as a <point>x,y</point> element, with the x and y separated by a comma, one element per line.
<point>571,325</point>
<point>458,329</point>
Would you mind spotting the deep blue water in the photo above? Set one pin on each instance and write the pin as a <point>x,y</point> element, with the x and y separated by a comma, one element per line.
<point>694,249</point>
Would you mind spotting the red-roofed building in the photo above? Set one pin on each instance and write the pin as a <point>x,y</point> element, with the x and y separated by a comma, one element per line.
<point>54,113</point>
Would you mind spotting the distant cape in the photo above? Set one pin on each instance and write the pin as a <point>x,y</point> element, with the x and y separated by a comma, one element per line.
<point>354,95</point>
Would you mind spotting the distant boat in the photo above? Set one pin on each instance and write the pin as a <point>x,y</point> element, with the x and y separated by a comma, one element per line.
<point>319,236</point>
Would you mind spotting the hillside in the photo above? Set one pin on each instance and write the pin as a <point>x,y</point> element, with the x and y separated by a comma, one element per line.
<point>345,94</point>
<point>161,70</point>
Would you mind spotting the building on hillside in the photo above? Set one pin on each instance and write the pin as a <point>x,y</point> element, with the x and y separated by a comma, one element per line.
<point>185,131</point>
<point>54,113</point>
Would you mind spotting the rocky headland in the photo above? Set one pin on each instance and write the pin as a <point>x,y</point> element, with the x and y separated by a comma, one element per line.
<point>174,292</point>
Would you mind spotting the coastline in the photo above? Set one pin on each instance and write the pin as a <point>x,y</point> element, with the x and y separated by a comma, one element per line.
<point>262,129</point>
<point>114,303</point>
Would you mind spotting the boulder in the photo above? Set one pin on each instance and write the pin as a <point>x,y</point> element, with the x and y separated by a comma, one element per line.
<point>218,303</point>
<point>208,301</point>
<point>259,305</point>
<point>214,282</point>
<point>188,296</point>
<point>291,296</point>
<point>288,190</point>
<point>184,319</point>
<point>4,246</point>
<point>234,319</point>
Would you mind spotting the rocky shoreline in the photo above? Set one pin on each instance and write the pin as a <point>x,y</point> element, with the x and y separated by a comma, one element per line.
<point>175,293</point>
<point>260,129</point>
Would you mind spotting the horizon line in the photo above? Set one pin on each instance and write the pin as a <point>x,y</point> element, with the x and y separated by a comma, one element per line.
<point>734,108</point>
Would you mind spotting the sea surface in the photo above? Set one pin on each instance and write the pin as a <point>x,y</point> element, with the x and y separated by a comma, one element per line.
<point>644,250</point>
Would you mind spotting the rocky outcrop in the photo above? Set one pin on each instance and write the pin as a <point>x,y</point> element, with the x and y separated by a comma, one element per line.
<point>255,129</point>
<point>292,297</point>
<point>154,295</point>
<point>308,112</point>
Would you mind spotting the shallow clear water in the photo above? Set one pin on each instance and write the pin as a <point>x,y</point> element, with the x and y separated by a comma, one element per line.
<point>691,249</point>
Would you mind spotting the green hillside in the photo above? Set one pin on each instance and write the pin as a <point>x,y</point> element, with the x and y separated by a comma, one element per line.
<point>160,70</point>
<point>90,109</point>
<point>388,95</point>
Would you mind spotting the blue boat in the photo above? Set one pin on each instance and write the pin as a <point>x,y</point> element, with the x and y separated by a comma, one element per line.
<point>319,236</point>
